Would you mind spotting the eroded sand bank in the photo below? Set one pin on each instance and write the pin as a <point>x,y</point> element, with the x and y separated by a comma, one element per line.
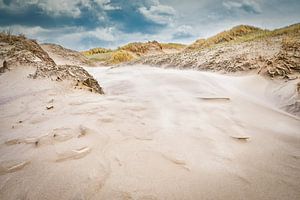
<point>155,134</point>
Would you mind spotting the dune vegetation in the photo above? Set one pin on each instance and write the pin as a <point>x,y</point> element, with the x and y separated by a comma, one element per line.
<point>130,51</point>
<point>119,57</point>
<point>235,33</point>
<point>140,48</point>
<point>136,50</point>
<point>243,33</point>
<point>96,51</point>
<point>177,46</point>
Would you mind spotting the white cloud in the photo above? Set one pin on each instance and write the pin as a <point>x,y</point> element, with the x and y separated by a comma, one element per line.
<point>183,31</point>
<point>182,21</point>
<point>31,32</point>
<point>53,7</point>
<point>69,8</point>
<point>103,34</point>
<point>60,8</point>
<point>106,5</point>
<point>249,6</point>
<point>70,37</point>
<point>78,37</point>
<point>158,13</point>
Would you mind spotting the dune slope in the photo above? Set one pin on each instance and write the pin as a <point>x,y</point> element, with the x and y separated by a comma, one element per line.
<point>155,134</point>
<point>64,56</point>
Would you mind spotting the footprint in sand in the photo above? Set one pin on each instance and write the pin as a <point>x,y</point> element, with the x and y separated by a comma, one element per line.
<point>12,166</point>
<point>73,154</point>
<point>21,141</point>
<point>38,120</point>
<point>144,135</point>
<point>36,141</point>
<point>106,120</point>
<point>137,108</point>
<point>243,138</point>
<point>83,131</point>
<point>57,135</point>
<point>175,160</point>
<point>215,99</point>
<point>62,134</point>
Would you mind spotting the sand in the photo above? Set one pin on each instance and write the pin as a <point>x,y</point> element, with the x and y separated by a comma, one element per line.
<point>155,134</point>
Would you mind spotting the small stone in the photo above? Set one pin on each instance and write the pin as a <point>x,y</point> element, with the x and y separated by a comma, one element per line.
<point>49,107</point>
<point>240,137</point>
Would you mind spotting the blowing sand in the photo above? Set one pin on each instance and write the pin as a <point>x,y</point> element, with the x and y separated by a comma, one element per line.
<point>155,134</point>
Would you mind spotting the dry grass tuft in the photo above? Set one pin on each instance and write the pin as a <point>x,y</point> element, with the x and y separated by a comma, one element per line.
<point>96,51</point>
<point>244,33</point>
<point>140,48</point>
<point>226,36</point>
<point>176,46</point>
<point>120,56</point>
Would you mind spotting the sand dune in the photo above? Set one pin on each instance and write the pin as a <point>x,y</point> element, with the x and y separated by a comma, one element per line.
<point>155,134</point>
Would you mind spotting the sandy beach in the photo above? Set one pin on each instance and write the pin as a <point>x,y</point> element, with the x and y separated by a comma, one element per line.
<point>155,134</point>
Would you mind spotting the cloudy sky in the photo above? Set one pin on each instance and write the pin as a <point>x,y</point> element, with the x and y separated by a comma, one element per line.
<point>83,24</point>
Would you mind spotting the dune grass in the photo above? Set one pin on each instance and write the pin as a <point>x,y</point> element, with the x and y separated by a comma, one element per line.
<point>176,46</point>
<point>226,36</point>
<point>237,34</point>
<point>244,33</point>
<point>120,56</point>
<point>129,51</point>
<point>140,48</point>
<point>96,51</point>
<point>125,53</point>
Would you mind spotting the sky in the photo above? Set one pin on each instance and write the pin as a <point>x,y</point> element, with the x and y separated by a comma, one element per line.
<point>85,24</point>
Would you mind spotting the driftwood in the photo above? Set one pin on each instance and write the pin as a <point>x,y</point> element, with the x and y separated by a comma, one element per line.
<point>214,98</point>
<point>239,137</point>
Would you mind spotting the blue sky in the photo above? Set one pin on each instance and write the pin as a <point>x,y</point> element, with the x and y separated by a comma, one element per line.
<point>83,24</point>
